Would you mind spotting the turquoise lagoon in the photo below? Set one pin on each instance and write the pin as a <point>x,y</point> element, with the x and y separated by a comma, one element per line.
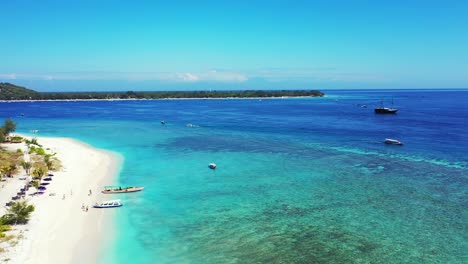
<point>298,180</point>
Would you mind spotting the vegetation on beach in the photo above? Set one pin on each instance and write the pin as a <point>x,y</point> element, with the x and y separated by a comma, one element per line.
<point>12,92</point>
<point>17,213</point>
<point>33,142</point>
<point>4,228</point>
<point>8,127</point>
<point>40,162</point>
<point>9,160</point>
<point>8,170</point>
<point>26,166</point>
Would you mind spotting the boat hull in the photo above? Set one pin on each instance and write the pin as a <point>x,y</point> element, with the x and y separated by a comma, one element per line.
<point>108,204</point>
<point>393,142</point>
<point>111,206</point>
<point>124,190</point>
<point>385,111</point>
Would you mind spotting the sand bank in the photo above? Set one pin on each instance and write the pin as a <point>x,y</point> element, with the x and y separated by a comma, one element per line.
<point>59,230</point>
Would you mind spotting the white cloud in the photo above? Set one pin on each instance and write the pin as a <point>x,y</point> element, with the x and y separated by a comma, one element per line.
<point>189,77</point>
<point>329,74</point>
<point>207,76</point>
<point>317,74</point>
<point>8,76</point>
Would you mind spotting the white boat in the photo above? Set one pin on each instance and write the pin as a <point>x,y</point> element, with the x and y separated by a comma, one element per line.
<point>393,141</point>
<point>108,204</point>
<point>212,166</point>
<point>113,189</point>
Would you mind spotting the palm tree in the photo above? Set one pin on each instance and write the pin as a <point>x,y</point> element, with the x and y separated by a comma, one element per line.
<point>36,184</point>
<point>3,170</point>
<point>50,165</point>
<point>8,170</point>
<point>12,169</point>
<point>38,173</point>
<point>49,161</point>
<point>9,126</point>
<point>26,166</point>
<point>17,213</point>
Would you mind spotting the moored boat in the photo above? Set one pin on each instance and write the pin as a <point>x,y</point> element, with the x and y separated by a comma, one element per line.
<point>108,204</point>
<point>385,110</point>
<point>212,166</point>
<point>114,189</point>
<point>392,141</point>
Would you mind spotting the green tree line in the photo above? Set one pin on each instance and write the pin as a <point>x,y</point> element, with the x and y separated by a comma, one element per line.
<point>12,92</point>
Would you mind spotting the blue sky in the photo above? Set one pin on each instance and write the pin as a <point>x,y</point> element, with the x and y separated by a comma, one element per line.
<point>186,45</point>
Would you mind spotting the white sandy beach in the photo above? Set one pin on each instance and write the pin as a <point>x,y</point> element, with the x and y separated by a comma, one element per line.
<point>59,230</point>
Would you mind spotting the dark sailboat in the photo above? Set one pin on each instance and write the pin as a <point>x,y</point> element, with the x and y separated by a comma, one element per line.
<point>385,110</point>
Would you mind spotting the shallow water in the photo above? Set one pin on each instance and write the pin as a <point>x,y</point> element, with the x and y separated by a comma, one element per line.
<point>298,180</point>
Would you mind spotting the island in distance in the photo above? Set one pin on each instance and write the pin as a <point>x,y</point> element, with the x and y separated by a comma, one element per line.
<point>11,92</point>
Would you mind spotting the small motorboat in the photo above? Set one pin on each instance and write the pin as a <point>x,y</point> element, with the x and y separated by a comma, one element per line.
<point>163,122</point>
<point>212,166</point>
<point>392,141</point>
<point>108,204</point>
<point>113,189</point>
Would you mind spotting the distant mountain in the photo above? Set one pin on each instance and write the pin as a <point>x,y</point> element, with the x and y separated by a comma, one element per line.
<point>10,91</point>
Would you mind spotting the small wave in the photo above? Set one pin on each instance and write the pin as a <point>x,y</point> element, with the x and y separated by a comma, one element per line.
<point>439,162</point>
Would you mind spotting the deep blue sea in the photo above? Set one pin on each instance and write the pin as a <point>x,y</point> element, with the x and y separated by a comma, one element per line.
<point>304,180</point>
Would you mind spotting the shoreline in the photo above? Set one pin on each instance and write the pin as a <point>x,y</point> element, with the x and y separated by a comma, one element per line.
<point>160,99</point>
<point>59,231</point>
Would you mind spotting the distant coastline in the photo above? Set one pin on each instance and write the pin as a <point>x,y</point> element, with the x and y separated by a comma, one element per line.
<point>159,99</point>
<point>13,93</point>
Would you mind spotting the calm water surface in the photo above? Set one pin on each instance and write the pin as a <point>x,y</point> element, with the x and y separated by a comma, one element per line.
<point>298,180</point>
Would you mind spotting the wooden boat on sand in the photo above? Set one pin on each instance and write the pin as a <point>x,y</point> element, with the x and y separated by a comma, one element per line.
<point>114,189</point>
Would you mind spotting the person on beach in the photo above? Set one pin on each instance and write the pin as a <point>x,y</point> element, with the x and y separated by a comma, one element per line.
<point>90,192</point>
<point>86,208</point>
<point>82,207</point>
